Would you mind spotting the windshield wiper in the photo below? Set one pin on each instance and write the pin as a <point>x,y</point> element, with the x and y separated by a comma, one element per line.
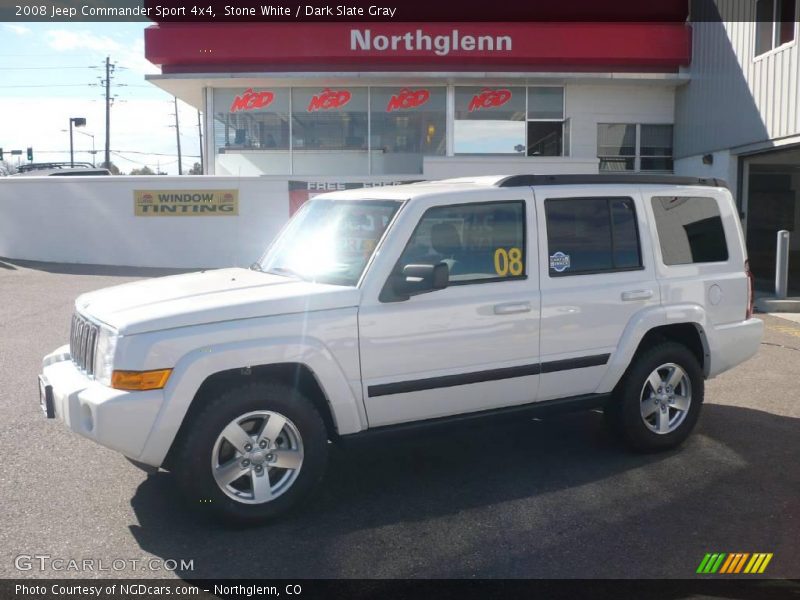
<point>256,267</point>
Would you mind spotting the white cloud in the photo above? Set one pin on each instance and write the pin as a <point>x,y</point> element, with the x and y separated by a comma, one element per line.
<point>132,57</point>
<point>64,40</point>
<point>130,54</point>
<point>18,29</point>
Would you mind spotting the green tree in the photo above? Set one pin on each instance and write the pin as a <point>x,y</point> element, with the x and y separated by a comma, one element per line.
<point>111,167</point>
<point>196,169</point>
<point>145,170</point>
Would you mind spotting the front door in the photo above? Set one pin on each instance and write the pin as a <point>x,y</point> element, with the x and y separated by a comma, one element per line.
<point>471,346</point>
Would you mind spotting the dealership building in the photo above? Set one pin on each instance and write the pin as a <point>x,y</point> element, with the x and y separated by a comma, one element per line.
<point>328,104</point>
<point>427,99</point>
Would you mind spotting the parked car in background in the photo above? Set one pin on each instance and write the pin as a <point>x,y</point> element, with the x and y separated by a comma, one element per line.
<point>61,169</point>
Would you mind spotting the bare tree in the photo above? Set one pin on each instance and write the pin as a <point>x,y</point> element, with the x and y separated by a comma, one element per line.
<point>6,168</point>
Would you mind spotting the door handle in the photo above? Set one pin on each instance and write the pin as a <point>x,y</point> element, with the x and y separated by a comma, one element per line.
<point>511,308</point>
<point>637,295</point>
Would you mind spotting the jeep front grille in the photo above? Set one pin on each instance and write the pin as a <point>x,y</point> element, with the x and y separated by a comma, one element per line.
<point>83,343</point>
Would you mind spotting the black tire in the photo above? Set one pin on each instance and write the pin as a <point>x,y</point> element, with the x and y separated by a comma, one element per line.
<point>193,459</point>
<point>623,415</point>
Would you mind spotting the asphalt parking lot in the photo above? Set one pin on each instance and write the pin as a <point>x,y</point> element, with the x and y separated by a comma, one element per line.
<point>552,498</point>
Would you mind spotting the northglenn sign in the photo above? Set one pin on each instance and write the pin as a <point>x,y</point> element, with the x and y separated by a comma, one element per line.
<point>419,41</point>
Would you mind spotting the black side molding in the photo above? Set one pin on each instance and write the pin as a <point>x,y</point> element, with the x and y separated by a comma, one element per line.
<point>432,383</point>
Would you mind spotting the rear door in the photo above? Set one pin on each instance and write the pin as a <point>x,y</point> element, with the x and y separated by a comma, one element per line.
<point>595,276</point>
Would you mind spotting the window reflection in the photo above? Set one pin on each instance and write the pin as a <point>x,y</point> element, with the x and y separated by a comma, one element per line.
<point>489,120</point>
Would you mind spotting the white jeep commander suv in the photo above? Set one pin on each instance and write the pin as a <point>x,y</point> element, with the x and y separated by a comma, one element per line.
<point>416,305</point>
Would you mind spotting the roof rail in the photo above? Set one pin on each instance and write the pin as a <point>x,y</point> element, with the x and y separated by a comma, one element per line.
<point>54,165</point>
<point>626,178</point>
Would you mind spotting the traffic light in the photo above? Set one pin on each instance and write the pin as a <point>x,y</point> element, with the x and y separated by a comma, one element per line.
<point>30,154</point>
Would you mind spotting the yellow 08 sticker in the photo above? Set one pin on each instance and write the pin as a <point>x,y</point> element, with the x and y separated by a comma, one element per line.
<point>508,262</point>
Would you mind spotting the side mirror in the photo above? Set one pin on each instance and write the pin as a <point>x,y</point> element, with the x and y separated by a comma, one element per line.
<point>420,279</point>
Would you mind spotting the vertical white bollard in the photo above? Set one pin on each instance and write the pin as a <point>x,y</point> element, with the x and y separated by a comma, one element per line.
<point>782,265</point>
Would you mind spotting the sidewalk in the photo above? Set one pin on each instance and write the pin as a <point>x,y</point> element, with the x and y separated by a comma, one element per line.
<point>766,302</point>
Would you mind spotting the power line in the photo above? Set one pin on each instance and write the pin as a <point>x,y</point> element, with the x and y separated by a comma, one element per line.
<point>138,152</point>
<point>51,85</point>
<point>54,68</point>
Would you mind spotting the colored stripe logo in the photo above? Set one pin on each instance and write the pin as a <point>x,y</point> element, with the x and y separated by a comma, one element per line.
<point>734,563</point>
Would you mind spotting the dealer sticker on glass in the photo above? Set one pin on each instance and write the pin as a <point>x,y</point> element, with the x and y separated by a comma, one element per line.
<point>559,262</point>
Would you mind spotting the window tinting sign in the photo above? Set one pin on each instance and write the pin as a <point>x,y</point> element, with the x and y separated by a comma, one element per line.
<point>559,262</point>
<point>488,98</point>
<point>329,100</point>
<point>186,203</point>
<point>408,99</point>
<point>251,100</point>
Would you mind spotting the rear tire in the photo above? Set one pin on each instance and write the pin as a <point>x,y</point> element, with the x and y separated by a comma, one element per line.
<point>657,403</point>
<point>253,453</point>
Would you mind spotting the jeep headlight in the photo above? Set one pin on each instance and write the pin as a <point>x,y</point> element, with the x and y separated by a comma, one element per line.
<point>104,355</point>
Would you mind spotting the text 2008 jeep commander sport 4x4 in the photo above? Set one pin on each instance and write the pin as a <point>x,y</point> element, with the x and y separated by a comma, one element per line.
<point>379,309</point>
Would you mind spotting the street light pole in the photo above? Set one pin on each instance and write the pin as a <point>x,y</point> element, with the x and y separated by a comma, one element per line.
<point>91,135</point>
<point>71,152</point>
<point>78,122</point>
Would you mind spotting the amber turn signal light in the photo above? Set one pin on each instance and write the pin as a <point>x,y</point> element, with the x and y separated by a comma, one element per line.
<point>140,380</point>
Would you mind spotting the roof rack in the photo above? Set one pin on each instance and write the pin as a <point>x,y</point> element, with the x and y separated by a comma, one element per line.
<point>625,178</point>
<point>54,165</point>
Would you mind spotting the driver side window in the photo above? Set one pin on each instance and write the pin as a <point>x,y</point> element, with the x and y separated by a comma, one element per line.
<point>478,242</point>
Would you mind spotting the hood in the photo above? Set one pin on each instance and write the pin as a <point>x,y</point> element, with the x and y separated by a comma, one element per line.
<point>208,297</point>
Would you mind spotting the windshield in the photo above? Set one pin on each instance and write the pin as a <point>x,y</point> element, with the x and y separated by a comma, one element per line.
<point>330,241</point>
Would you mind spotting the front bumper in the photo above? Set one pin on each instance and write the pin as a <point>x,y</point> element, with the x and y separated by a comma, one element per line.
<point>116,419</point>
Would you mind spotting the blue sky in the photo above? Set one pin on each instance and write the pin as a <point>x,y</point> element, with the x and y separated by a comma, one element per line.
<point>50,72</point>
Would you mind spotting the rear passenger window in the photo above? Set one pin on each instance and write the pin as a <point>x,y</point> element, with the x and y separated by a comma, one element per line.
<point>689,230</point>
<point>591,235</point>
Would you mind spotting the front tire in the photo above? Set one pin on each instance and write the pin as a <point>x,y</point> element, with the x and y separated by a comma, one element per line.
<point>253,453</point>
<point>657,404</point>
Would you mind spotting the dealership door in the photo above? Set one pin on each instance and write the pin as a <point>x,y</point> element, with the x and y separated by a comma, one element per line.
<point>773,185</point>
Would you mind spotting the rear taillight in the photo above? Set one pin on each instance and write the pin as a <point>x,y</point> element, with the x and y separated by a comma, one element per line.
<point>750,298</point>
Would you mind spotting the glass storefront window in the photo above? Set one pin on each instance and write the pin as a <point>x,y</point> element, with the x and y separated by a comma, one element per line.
<point>329,118</point>
<point>381,130</point>
<point>489,120</point>
<point>406,124</point>
<point>251,122</point>
<point>546,103</point>
<point>547,130</point>
<point>329,131</point>
<point>634,147</point>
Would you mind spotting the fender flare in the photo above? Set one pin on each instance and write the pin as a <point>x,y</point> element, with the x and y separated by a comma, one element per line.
<point>194,368</point>
<point>644,321</point>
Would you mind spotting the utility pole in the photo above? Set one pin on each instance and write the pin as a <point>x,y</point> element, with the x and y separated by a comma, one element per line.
<point>200,132</point>
<point>107,82</point>
<point>178,135</point>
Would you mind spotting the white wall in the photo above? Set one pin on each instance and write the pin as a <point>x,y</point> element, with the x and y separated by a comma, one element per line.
<point>724,166</point>
<point>589,104</point>
<point>736,98</point>
<point>440,167</point>
<point>91,220</point>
